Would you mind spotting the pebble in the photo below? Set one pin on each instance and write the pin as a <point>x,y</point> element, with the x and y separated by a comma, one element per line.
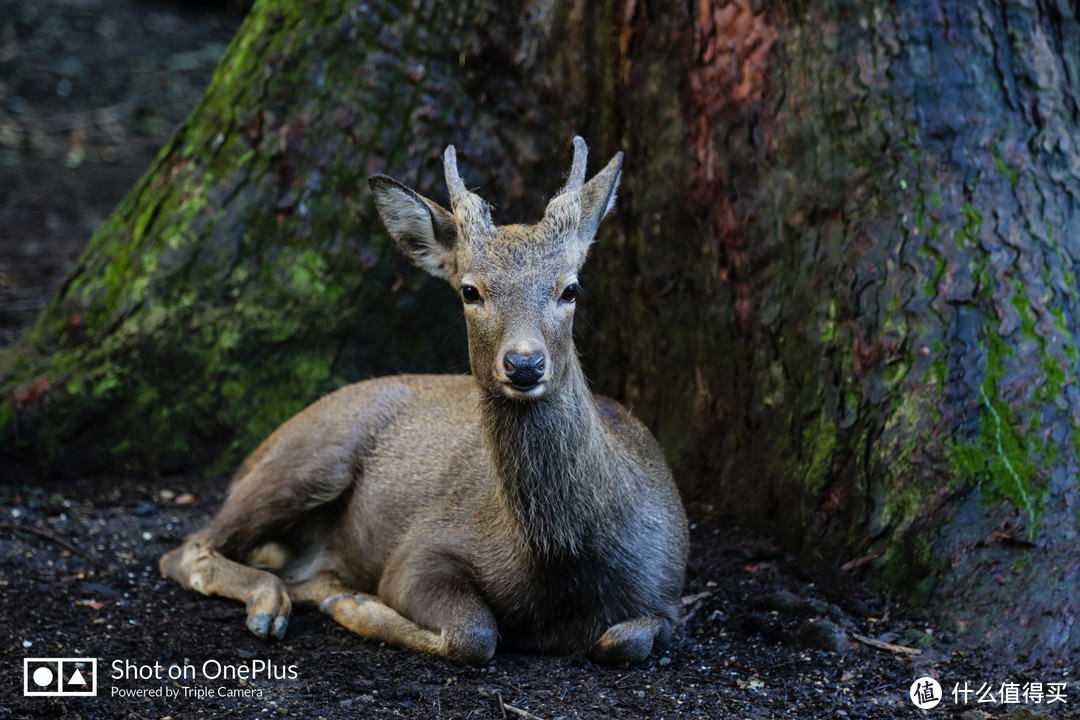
<point>822,634</point>
<point>146,509</point>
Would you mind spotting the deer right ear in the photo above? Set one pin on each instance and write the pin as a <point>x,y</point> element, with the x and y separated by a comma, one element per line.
<point>425,231</point>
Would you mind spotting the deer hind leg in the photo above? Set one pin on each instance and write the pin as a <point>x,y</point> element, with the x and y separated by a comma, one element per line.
<point>630,641</point>
<point>363,613</point>
<point>197,566</point>
<point>442,617</point>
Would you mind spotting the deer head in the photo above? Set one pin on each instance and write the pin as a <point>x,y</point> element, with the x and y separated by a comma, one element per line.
<point>518,283</point>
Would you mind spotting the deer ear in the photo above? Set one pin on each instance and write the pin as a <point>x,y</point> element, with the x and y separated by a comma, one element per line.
<point>425,231</point>
<point>597,199</point>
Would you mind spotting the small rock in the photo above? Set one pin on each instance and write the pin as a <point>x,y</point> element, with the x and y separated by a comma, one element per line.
<point>787,602</point>
<point>99,589</point>
<point>784,601</point>
<point>822,634</point>
<point>17,105</point>
<point>146,509</point>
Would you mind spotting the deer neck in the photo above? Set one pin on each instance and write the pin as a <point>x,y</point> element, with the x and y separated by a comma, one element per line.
<point>549,456</point>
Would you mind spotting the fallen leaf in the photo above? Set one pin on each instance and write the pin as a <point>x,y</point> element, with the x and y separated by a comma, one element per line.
<point>754,683</point>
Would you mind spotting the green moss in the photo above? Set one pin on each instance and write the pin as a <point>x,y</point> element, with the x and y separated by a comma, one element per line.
<point>909,560</point>
<point>1002,461</point>
<point>1003,168</point>
<point>893,319</point>
<point>967,237</point>
<point>828,327</point>
<point>933,283</point>
<point>1022,303</point>
<point>818,447</point>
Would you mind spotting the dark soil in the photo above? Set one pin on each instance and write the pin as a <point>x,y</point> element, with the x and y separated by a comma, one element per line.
<point>766,635</point>
<point>88,91</point>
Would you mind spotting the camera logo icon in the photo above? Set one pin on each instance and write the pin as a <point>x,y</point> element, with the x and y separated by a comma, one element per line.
<point>47,677</point>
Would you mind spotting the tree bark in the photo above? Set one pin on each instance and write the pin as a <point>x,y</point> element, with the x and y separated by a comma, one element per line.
<point>862,296</point>
<point>839,283</point>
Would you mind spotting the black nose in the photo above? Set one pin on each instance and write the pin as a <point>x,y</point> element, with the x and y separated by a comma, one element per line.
<point>524,371</point>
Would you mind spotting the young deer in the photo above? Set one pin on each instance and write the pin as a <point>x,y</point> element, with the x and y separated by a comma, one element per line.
<point>451,514</point>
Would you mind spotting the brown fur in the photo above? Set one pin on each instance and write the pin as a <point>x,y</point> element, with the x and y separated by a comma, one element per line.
<point>451,513</point>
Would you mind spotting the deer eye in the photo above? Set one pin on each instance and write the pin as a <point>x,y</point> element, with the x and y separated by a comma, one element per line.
<point>570,293</point>
<point>470,294</point>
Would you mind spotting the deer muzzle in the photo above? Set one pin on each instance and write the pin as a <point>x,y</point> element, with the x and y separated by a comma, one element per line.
<point>525,370</point>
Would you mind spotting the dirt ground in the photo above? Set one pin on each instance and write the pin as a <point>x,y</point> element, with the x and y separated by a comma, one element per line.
<point>89,89</point>
<point>766,636</point>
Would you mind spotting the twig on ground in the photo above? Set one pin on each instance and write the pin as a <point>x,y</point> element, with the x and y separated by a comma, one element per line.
<point>504,708</point>
<point>693,602</point>
<point>521,713</point>
<point>886,646</point>
<point>59,541</point>
<point>860,561</point>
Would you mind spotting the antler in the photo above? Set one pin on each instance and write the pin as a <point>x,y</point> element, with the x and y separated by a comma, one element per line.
<point>472,214</point>
<point>458,193</point>
<point>577,168</point>
<point>564,210</point>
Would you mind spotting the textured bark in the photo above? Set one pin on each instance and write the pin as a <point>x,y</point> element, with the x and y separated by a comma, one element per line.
<point>853,324</point>
<point>839,284</point>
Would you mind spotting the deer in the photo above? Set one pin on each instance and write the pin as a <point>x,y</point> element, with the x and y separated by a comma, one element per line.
<point>455,514</point>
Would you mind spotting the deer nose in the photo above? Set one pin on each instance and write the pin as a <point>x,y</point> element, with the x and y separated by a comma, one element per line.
<point>524,370</point>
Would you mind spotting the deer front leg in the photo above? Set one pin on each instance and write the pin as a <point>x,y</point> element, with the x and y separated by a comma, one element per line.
<point>441,615</point>
<point>630,641</point>
<point>197,566</point>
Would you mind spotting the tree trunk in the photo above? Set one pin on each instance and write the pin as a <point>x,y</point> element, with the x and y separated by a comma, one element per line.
<point>839,284</point>
<point>853,322</point>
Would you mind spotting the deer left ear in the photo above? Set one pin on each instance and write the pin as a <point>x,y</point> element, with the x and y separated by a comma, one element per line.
<point>598,198</point>
<point>425,231</point>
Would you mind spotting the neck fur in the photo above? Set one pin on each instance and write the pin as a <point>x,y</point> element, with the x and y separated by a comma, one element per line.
<point>549,458</point>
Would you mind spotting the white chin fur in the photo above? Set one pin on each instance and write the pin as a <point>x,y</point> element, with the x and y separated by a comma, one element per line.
<point>532,393</point>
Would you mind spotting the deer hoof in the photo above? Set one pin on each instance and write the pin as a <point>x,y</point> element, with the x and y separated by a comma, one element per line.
<point>268,614</point>
<point>473,646</point>
<point>627,642</point>
<point>266,627</point>
<point>327,605</point>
